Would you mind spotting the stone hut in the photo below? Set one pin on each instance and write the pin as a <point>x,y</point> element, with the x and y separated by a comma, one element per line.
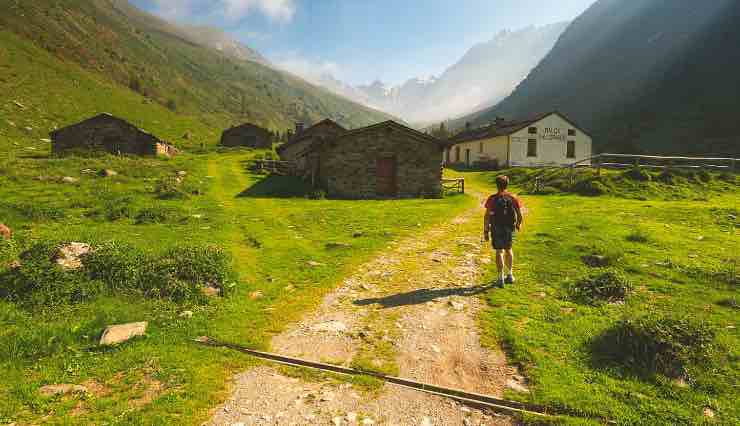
<point>385,160</point>
<point>299,148</point>
<point>247,135</point>
<point>106,133</point>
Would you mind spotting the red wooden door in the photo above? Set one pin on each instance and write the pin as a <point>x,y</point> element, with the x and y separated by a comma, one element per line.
<point>386,176</point>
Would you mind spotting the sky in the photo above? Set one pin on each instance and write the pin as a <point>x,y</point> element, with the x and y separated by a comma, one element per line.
<point>360,41</point>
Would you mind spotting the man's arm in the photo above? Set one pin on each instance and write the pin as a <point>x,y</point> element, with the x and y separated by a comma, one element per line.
<point>486,224</point>
<point>519,218</point>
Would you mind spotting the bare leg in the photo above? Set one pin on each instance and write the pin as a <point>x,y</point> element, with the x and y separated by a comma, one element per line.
<point>500,262</point>
<point>509,259</point>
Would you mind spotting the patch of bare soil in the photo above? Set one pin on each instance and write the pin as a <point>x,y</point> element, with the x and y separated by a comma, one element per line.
<point>413,311</point>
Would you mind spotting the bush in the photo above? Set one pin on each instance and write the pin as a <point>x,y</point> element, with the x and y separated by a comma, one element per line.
<point>657,344</point>
<point>182,273</point>
<point>590,187</point>
<point>115,208</point>
<point>638,173</point>
<point>638,236</point>
<point>547,190</point>
<point>318,194</point>
<point>157,215</point>
<point>8,252</point>
<point>606,286</point>
<point>39,281</point>
<point>168,188</point>
<point>35,211</point>
<point>115,264</point>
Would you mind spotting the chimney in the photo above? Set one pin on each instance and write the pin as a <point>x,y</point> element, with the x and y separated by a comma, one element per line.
<point>298,128</point>
<point>467,125</point>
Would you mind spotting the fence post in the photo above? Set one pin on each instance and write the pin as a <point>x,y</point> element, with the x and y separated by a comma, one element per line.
<point>462,185</point>
<point>733,165</point>
<point>598,166</point>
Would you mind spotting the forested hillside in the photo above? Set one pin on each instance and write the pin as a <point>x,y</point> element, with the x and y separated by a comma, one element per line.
<point>643,76</point>
<point>167,65</point>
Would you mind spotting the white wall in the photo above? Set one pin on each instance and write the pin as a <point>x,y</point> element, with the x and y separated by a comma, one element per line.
<point>552,137</point>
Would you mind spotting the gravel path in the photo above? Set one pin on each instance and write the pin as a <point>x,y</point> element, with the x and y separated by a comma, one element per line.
<point>410,312</point>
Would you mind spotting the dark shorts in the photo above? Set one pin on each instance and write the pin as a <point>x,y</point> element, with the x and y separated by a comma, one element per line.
<point>502,237</point>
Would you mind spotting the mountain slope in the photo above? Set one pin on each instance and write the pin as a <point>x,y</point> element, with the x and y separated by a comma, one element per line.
<point>164,63</point>
<point>487,73</point>
<point>647,75</point>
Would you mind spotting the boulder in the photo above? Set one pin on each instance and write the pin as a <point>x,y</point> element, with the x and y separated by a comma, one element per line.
<point>62,389</point>
<point>186,314</point>
<point>115,334</point>
<point>107,173</point>
<point>5,232</point>
<point>69,179</point>
<point>211,291</point>
<point>182,173</point>
<point>69,256</point>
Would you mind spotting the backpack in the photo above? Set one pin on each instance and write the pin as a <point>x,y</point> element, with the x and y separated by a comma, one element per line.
<point>503,211</point>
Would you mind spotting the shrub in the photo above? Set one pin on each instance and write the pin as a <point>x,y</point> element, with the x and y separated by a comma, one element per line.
<point>39,281</point>
<point>157,214</point>
<point>168,188</point>
<point>638,173</point>
<point>115,208</point>
<point>182,273</point>
<point>638,236</point>
<point>115,264</point>
<point>318,194</point>
<point>730,302</point>
<point>35,211</point>
<point>8,252</point>
<point>658,344</point>
<point>590,187</point>
<point>599,287</point>
<point>548,190</point>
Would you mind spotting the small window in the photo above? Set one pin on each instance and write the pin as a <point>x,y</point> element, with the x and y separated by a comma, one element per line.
<point>532,130</point>
<point>480,148</point>
<point>571,149</point>
<point>571,132</point>
<point>532,148</point>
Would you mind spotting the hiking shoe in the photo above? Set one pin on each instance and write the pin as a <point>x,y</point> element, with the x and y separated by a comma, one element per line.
<point>510,279</point>
<point>500,282</point>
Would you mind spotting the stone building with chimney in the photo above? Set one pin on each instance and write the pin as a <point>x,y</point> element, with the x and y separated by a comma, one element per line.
<point>247,135</point>
<point>385,160</point>
<point>106,133</point>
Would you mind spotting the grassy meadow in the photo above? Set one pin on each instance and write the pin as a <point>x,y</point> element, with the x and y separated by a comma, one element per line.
<point>673,247</point>
<point>286,251</point>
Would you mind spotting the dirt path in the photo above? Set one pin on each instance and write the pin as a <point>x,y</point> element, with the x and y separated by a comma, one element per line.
<point>409,312</point>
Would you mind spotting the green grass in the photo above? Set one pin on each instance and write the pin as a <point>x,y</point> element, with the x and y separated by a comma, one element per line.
<point>122,45</point>
<point>271,235</point>
<point>679,249</point>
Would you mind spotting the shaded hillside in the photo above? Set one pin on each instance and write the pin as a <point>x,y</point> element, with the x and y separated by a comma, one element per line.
<point>642,76</point>
<point>164,63</point>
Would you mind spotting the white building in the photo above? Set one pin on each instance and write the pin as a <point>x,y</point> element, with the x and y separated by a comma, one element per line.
<point>548,139</point>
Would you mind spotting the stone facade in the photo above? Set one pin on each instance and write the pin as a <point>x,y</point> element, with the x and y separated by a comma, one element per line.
<point>247,135</point>
<point>383,160</point>
<point>300,149</point>
<point>105,133</point>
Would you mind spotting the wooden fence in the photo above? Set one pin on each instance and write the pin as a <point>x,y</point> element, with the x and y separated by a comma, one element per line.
<point>283,168</point>
<point>658,162</point>
<point>453,186</point>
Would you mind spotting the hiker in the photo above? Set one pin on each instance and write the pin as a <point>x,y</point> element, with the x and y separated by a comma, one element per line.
<point>503,218</point>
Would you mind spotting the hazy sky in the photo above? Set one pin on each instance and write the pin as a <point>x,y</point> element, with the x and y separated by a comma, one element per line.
<point>363,40</point>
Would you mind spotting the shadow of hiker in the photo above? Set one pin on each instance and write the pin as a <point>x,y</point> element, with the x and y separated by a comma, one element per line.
<point>423,295</point>
<point>274,186</point>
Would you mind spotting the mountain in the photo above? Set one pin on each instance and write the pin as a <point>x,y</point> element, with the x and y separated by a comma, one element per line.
<point>219,40</point>
<point>196,72</point>
<point>486,74</point>
<point>652,76</point>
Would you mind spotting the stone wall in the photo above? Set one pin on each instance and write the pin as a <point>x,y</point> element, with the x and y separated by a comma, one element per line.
<point>104,133</point>
<point>348,165</point>
<point>247,135</point>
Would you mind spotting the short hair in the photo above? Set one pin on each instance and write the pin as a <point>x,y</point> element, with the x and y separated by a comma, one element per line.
<point>502,182</point>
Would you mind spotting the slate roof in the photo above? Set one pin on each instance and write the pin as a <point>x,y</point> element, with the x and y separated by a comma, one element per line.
<point>308,133</point>
<point>392,124</point>
<point>504,128</point>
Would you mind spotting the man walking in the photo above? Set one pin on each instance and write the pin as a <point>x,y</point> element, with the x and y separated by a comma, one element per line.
<point>503,218</point>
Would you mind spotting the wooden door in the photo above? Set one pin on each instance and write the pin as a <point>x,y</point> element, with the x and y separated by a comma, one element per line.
<point>386,176</point>
<point>467,157</point>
